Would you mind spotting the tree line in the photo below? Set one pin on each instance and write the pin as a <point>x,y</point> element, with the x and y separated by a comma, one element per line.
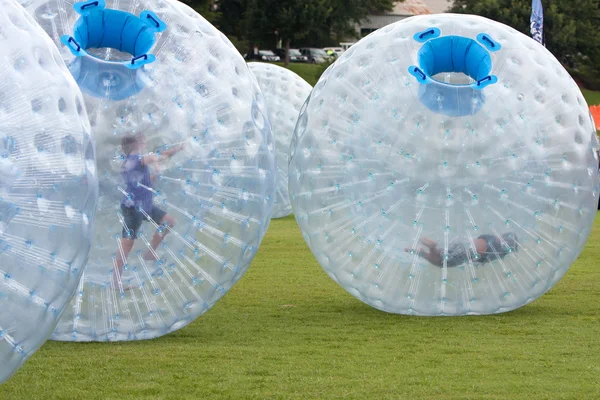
<point>570,30</point>
<point>570,26</point>
<point>250,23</point>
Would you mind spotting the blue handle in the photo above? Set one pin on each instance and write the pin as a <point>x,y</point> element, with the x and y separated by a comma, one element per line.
<point>151,18</point>
<point>426,33</point>
<point>72,40</point>
<point>418,71</point>
<point>489,41</point>
<point>483,80</point>
<point>91,4</point>
<point>134,59</point>
<point>86,7</point>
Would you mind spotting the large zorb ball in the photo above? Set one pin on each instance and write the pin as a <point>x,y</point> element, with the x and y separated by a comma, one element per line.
<point>48,187</point>
<point>285,93</point>
<point>185,160</point>
<point>445,165</point>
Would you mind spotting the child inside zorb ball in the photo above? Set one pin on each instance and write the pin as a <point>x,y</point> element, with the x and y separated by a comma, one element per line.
<point>162,70</point>
<point>137,205</point>
<point>428,133</point>
<point>460,249</point>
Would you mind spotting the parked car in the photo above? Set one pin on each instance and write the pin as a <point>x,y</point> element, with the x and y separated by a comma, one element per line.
<point>346,45</point>
<point>315,56</point>
<point>295,55</point>
<point>334,51</point>
<point>263,55</point>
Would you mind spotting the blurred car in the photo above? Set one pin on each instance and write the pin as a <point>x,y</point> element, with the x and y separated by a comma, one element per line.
<point>295,55</point>
<point>263,55</point>
<point>346,45</point>
<point>334,51</point>
<point>315,56</point>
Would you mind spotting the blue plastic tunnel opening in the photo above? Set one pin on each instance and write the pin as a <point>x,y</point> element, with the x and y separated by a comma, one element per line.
<point>455,54</point>
<point>116,30</point>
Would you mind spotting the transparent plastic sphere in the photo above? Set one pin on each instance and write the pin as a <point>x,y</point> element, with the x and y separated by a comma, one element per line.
<point>285,93</point>
<point>185,158</point>
<point>48,187</point>
<point>445,165</point>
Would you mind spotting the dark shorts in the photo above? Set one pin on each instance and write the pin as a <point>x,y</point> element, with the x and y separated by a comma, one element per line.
<point>495,249</point>
<point>459,251</point>
<point>134,218</point>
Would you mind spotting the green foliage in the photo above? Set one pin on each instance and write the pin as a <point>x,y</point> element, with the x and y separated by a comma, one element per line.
<point>288,19</point>
<point>241,45</point>
<point>570,29</point>
<point>287,331</point>
<point>307,22</point>
<point>206,8</point>
<point>309,72</point>
<point>265,22</point>
<point>346,13</point>
<point>321,68</point>
<point>592,98</point>
<point>231,18</point>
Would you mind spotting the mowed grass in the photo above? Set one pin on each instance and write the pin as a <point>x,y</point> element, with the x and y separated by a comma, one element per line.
<point>287,331</point>
<point>592,98</point>
<point>309,72</point>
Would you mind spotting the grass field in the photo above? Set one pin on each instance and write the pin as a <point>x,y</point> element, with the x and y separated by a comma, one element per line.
<point>287,331</point>
<point>592,98</point>
<point>310,72</point>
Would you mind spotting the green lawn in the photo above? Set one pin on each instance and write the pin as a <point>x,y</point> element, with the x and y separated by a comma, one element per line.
<point>310,72</point>
<point>287,331</point>
<point>592,98</point>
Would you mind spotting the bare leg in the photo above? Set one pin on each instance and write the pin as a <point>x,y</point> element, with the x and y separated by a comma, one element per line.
<point>432,244</point>
<point>159,236</point>
<point>126,246</point>
<point>433,255</point>
<point>480,246</point>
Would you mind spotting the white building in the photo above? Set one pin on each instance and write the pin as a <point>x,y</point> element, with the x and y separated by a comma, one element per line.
<point>438,6</point>
<point>405,9</point>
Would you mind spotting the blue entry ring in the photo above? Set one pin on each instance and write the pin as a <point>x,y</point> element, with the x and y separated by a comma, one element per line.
<point>99,27</point>
<point>457,54</point>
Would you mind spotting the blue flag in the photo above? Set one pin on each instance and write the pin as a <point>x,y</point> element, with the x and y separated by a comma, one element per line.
<point>537,21</point>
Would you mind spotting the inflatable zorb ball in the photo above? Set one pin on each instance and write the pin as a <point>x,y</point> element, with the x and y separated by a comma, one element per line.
<point>445,165</point>
<point>47,187</point>
<point>185,160</point>
<point>285,93</point>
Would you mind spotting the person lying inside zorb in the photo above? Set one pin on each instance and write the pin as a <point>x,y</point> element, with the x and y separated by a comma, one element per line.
<point>461,249</point>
